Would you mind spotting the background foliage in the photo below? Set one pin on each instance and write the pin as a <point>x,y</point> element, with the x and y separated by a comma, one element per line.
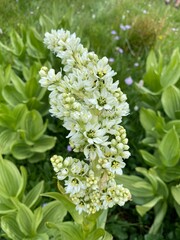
<point>141,41</point>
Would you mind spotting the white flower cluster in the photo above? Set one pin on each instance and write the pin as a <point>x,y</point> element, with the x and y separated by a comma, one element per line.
<point>91,106</point>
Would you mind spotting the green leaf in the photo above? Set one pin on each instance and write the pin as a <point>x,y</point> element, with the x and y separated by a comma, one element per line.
<point>169,174</point>
<point>7,139</point>
<point>149,158</point>
<point>19,114</point>
<point>142,210</point>
<point>43,144</point>
<point>171,74</point>
<point>6,205</point>
<point>175,190</point>
<point>96,234</point>
<point>173,124</point>
<point>23,183</point>
<point>152,75</point>
<point>38,215</point>
<point>25,220</point>
<point>10,178</point>
<point>33,88</point>
<point>151,177</point>
<point>70,207</point>
<point>52,212</point>
<point>160,209</point>
<point>68,230</point>
<point>171,101</point>
<point>10,227</point>
<point>151,122</point>
<point>17,43</point>
<point>33,125</point>
<point>35,46</point>
<point>169,149</point>
<point>18,84</point>
<point>12,96</point>
<point>33,195</point>
<point>21,150</point>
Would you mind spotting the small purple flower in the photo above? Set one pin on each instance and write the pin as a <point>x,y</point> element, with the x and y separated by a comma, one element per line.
<point>69,148</point>
<point>124,27</point>
<point>128,27</point>
<point>111,60</point>
<point>120,50</point>
<point>113,32</point>
<point>128,80</point>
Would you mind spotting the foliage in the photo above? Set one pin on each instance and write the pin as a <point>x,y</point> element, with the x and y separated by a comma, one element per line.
<point>160,188</point>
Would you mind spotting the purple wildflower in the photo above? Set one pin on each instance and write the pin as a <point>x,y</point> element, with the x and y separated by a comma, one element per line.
<point>128,80</point>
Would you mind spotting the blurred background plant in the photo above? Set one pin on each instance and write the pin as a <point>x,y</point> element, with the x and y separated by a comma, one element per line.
<point>125,33</point>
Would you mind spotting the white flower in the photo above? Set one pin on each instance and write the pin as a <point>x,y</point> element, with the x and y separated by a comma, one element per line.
<point>74,185</point>
<point>94,134</point>
<point>91,105</point>
<point>102,100</point>
<point>115,166</point>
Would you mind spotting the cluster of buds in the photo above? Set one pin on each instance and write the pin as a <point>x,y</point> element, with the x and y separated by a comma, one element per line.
<point>91,106</point>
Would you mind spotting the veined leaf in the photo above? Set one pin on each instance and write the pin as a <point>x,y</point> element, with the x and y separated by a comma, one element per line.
<point>10,227</point>
<point>149,158</point>
<point>171,101</point>
<point>25,220</point>
<point>142,210</point>
<point>175,190</point>
<point>171,74</point>
<point>33,125</point>
<point>169,148</point>
<point>52,212</point>
<point>160,209</point>
<point>33,195</point>
<point>10,178</point>
<point>68,230</point>
<point>70,207</point>
<point>43,144</point>
<point>7,139</point>
<point>21,150</point>
<point>12,96</point>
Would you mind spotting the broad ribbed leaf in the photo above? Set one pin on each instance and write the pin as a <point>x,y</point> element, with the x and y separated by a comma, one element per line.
<point>96,234</point>
<point>10,227</point>
<point>67,204</point>
<point>43,144</point>
<point>169,148</point>
<point>171,101</point>
<point>175,190</point>
<point>25,220</point>
<point>151,121</point>
<point>161,210</point>
<point>10,178</point>
<point>52,212</point>
<point>33,195</point>
<point>7,139</point>
<point>142,210</point>
<point>12,96</point>
<point>21,151</point>
<point>174,124</point>
<point>149,158</point>
<point>18,84</point>
<point>17,43</point>
<point>68,230</point>
<point>33,125</point>
<point>171,74</point>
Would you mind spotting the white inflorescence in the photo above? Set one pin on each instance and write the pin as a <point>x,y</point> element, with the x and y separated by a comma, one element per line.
<point>91,106</point>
